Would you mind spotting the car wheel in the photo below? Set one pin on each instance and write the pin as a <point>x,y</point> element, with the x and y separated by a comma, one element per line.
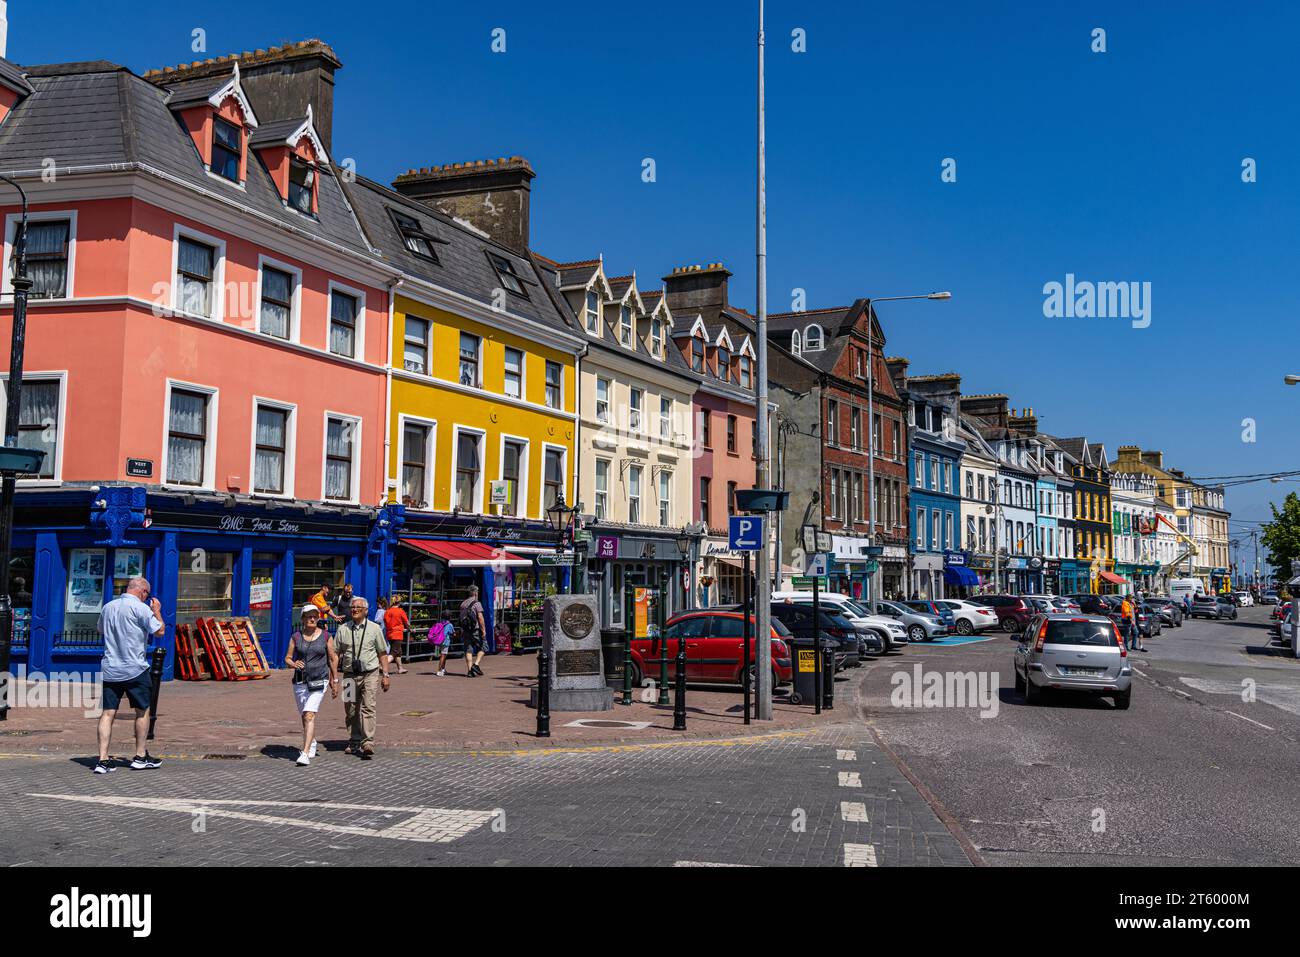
<point>796,697</point>
<point>1033,695</point>
<point>1122,700</point>
<point>1012,625</point>
<point>916,633</point>
<point>636,675</point>
<point>964,627</point>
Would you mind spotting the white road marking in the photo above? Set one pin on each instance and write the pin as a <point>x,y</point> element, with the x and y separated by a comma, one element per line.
<point>854,811</point>
<point>706,864</point>
<point>1251,720</point>
<point>429,824</point>
<point>850,779</point>
<point>843,755</point>
<point>1285,697</point>
<point>859,855</point>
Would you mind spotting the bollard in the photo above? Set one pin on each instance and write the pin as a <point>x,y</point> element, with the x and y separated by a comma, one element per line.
<point>661,618</point>
<point>828,681</point>
<point>679,705</point>
<point>629,633</point>
<point>543,693</point>
<point>155,679</point>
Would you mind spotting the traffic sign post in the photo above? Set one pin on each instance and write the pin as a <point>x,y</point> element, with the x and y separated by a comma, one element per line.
<point>745,532</point>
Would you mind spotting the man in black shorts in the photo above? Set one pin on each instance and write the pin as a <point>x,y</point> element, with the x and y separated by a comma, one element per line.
<point>127,622</point>
<point>474,628</point>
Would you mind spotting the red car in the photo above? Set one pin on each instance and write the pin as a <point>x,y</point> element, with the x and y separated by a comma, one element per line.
<point>709,635</point>
<point>1013,611</point>
<point>1281,610</point>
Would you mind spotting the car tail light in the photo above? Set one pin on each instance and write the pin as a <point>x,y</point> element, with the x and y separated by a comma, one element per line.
<point>1123,652</point>
<point>779,649</point>
<point>1042,635</point>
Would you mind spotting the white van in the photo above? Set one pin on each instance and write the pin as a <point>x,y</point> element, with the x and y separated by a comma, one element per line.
<point>1178,587</point>
<point>888,630</point>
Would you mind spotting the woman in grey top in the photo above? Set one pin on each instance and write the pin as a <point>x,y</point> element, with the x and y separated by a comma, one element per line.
<point>316,666</point>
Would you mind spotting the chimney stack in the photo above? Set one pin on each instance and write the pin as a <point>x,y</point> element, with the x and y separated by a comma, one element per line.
<point>1025,422</point>
<point>1154,459</point>
<point>280,82</point>
<point>490,195</point>
<point>695,288</point>
<point>991,407</point>
<point>897,367</point>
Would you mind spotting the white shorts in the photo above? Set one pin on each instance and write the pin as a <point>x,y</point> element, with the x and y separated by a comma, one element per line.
<point>307,699</point>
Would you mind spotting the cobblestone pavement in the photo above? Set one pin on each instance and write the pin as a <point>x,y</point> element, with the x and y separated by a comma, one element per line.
<point>824,797</point>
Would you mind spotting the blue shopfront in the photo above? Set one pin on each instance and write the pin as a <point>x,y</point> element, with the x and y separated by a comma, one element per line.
<point>205,555</point>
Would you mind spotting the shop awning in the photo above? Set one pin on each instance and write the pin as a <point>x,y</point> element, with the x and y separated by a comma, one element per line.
<point>959,575</point>
<point>1112,578</point>
<point>468,554</point>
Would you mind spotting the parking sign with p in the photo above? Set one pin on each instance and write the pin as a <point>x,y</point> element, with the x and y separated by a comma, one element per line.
<point>746,532</point>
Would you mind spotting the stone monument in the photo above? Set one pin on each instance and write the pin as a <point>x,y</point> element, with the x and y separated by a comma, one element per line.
<point>571,636</point>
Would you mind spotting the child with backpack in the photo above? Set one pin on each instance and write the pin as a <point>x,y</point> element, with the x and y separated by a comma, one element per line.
<point>440,634</point>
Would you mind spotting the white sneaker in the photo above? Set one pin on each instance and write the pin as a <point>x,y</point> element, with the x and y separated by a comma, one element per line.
<point>312,752</point>
<point>442,673</point>
<point>303,759</point>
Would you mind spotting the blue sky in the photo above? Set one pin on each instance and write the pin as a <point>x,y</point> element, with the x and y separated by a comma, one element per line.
<point>1115,166</point>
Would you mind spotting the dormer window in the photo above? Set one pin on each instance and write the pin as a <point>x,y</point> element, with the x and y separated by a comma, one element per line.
<point>746,372</point>
<point>227,149</point>
<point>302,186</point>
<point>414,238</point>
<point>625,325</point>
<point>724,363</point>
<point>796,343</point>
<point>657,336</point>
<point>506,272</point>
<point>697,354</point>
<point>593,311</point>
<point>814,338</point>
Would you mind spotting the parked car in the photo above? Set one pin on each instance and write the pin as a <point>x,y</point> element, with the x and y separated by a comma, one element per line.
<point>889,634</point>
<point>927,607</point>
<point>1280,611</point>
<point>1170,611</point>
<point>1213,606</point>
<point>710,633</point>
<point>1079,653</point>
<point>1244,599</point>
<point>1269,597</point>
<point>920,626</point>
<point>1149,623</point>
<point>1013,611</point>
<point>798,618</point>
<point>1093,604</point>
<point>969,616</point>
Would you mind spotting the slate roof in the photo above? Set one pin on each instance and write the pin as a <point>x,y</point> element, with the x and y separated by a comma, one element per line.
<point>274,133</point>
<point>98,113</point>
<point>463,265</point>
<point>12,75</point>
<point>195,92</point>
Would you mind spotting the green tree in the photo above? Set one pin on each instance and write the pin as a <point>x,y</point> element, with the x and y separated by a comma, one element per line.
<point>1282,536</point>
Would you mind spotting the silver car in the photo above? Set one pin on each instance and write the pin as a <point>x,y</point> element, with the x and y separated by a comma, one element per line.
<point>1072,653</point>
<point>920,627</point>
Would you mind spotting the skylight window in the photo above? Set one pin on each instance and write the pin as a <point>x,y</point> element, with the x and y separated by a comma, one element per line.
<point>510,280</point>
<point>414,238</point>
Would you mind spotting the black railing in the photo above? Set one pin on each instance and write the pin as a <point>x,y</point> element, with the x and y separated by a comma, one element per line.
<point>78,641</point>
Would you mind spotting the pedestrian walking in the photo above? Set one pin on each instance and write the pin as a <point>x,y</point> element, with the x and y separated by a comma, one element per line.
<point>363,662</point>
<point>316,667</point>
<point>127,623</point>
<point>322,601</point>
<point>396,625</point>
<point>381,606</point>
<point>341,603</point>
<point>474,629</point>
<point>441,633</point>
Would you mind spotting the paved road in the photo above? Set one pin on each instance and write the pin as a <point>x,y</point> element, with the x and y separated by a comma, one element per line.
<point>827,797</point>
<point>1191,774</point>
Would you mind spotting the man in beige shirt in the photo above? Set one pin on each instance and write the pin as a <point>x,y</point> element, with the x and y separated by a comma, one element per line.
<point>363,661</point>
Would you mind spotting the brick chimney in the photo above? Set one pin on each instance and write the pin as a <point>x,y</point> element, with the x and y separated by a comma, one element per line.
<point>991,407</point>
<point>1025,422</point>
<point>897,367</point>
<point>694,288</point>
<point>280,82</point>
<point>1154,459</point>
<point>491,195</point>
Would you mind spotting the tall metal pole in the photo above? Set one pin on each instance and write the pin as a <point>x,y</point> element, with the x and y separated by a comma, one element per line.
<point>21,286</point>
<point>763,580</point>
<point>872,582</point>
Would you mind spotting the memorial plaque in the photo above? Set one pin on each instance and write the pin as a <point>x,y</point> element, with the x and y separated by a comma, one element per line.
<point>576,621</point>
<point>577,663</point>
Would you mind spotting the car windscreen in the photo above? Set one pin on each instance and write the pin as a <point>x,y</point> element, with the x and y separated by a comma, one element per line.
<point>831,619</point>
<point>1080,632</point>
<point>853,608</point>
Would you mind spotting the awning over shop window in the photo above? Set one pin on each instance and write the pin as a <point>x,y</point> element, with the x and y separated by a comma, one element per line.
<point>1113,579</point>
<point>468,554</point>
<point>960,575</point>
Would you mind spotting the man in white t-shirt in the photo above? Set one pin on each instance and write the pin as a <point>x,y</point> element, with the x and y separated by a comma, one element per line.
<point>127,623</point>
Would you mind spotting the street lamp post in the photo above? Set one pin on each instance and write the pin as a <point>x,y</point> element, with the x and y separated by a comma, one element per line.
<point>562,518</point>
<point>22,286</point>
<point>871,424</point>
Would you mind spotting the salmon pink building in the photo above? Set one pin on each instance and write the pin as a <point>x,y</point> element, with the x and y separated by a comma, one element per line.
<point>207,346</point>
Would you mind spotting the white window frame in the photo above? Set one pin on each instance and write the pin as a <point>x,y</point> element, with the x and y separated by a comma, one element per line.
<point>640,496</point>
<point>602,514</point>
<point>593,316</point>
<point>180,231</point>
<point>919,478</point>
<point>666,420</point>
<point>608,400</point>
<point>665,517</point>
<point>936,530</point>
<point>61,376</point>
<point>541,476</point>
<point>637,427</point>
<point>360,295</point>
<point>455,465</point>
<point>357,454</point>
<point>11,232</point>
<point>429,454</point>
<point>521,494</point>
<point>920,528</point>
<point>947,530</point>
<point>546,364</point>
<point>428,346</point>
<point>290,447</point>
<point>209,447</point>
<point>295,299</point>
<point>523,372</point>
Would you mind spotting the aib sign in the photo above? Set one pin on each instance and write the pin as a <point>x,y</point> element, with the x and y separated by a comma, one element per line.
<point>606,546</point>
